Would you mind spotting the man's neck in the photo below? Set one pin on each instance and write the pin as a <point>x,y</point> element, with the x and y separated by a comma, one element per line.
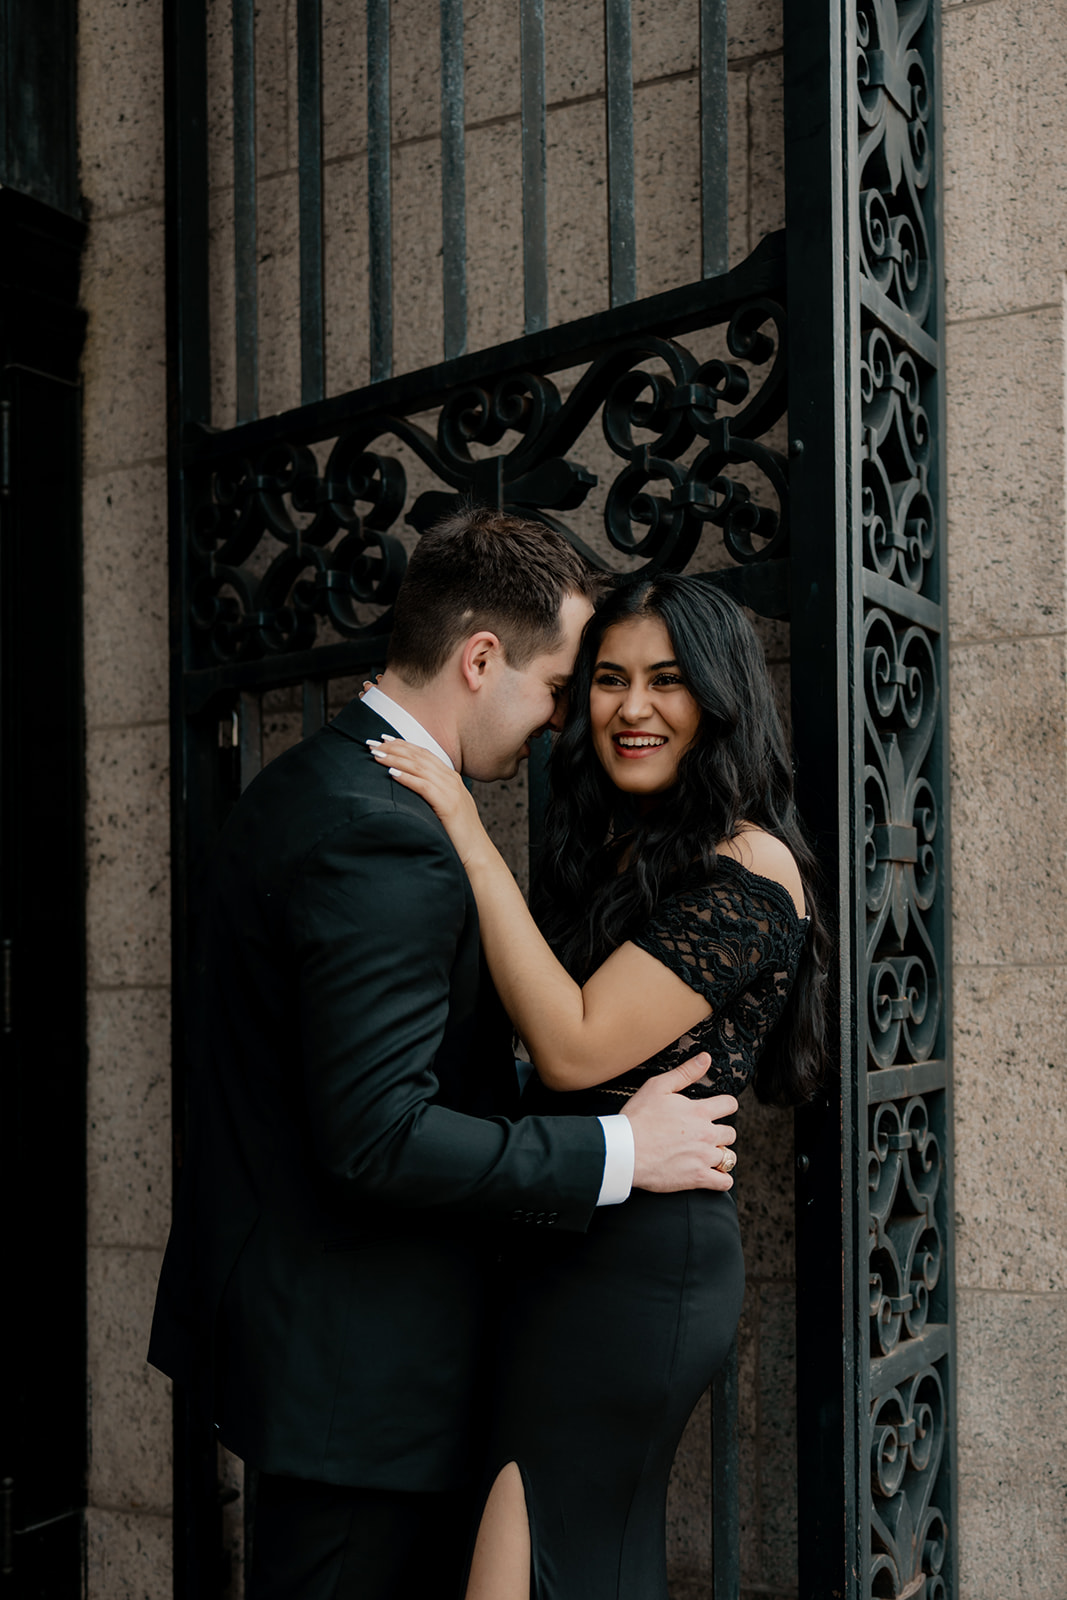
<point>427,705</point>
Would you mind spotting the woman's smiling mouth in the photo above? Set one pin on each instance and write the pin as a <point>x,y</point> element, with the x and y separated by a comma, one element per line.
<point>634,745</point>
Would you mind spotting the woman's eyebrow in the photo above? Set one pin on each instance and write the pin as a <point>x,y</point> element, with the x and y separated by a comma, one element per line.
<point>613,666</point>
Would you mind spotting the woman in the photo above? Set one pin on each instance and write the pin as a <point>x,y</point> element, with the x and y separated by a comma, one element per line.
<point>675,916</point>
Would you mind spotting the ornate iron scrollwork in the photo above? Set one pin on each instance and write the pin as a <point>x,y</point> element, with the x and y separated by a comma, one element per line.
<point>284,544</point>
<point>902,777</point>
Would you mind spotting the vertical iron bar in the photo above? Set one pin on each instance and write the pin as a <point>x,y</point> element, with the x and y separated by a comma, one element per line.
<point>453,181</point>
<point>822,384</point>
<point>534,183</point>
<point>618,60</point>
<point>246,308</point>
<point>714,140</point>
<point>309,104</point>
<point>942,927</point>
<point>197,1522</point>
<point>379,191</point>
<point>725,1482</point>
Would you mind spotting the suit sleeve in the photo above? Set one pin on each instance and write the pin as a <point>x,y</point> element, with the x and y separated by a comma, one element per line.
<point>375,919</point>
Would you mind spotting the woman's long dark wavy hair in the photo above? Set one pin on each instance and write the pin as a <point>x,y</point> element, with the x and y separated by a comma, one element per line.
<point>737,771</point>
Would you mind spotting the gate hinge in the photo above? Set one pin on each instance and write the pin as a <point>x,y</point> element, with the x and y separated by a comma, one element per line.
<point>5,448</point>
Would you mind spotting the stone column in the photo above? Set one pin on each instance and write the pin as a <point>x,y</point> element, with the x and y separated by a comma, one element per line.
<point>1005,252</point>
<point>121,135</point>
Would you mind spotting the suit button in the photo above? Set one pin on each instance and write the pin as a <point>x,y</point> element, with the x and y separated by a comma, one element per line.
<point>553,1216</point>
<point>518,1216</point>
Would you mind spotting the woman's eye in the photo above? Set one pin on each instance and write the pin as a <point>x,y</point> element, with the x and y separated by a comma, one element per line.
<point>608,680</point>
<point>667,680</point>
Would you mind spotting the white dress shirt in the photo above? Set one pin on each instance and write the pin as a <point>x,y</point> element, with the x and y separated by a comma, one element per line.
<point>618,1135</point>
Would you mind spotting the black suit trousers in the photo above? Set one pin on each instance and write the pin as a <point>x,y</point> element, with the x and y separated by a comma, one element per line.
<point>324,1541</point>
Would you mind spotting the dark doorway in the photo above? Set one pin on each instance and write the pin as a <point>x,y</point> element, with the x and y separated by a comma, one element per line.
<point>43,1436</point>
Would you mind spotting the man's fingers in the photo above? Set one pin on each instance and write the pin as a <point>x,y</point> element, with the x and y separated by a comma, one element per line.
<point>719,1105</point>
<point>689,1071</point>
<point>717,1180</point>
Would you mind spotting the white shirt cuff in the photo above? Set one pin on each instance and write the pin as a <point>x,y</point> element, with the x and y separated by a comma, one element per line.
<point>618,1160</point>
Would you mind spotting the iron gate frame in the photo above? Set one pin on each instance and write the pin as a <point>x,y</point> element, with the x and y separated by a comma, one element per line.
<point>832,80</point>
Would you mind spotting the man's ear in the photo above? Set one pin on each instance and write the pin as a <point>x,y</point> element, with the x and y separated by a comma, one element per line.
<point>476,656</point>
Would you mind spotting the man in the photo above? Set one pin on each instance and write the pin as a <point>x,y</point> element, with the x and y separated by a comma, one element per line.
<point>322,1296</point>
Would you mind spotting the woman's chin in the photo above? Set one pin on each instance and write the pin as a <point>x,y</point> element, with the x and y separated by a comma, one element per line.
<point>642,784</point>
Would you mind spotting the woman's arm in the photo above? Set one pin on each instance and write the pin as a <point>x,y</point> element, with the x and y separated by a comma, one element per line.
<point>630,1008</point>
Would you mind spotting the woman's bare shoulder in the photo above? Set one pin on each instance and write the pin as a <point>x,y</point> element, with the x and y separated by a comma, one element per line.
<point>767,857</point>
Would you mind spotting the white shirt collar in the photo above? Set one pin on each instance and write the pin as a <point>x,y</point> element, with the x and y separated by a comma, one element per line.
<point>404,723</point>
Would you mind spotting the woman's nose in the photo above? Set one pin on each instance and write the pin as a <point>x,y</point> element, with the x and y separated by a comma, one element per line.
<point>635,706</point>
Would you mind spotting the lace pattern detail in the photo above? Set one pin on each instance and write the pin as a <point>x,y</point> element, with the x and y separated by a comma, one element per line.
<point>736,941</point>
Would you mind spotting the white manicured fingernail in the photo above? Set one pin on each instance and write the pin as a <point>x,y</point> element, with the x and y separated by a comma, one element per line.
<point>394,772</point>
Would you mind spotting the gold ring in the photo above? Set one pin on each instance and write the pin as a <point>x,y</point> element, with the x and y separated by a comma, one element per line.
<point>727,1160</point>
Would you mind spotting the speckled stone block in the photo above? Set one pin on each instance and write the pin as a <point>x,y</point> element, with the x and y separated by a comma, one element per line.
<point>130,1409</point>
<point>1011,1127</point>
<point>120,103</point>
<point>766,184</point>
<point>346,290</point>
<point>666,38</point>
<point>125,359</point>
<point>418,296</point>
<point>278,248</point>
<point>221,300</point>
<point>577,213</point>
<point>763,1188</point>
<point>128,1114</point>
<point>128,849</point>
<point>667,185</point>
<point>738,154</point>
<point>1005,155</point>
<point>491,85</point>
<point>344,79</point>
<point>1009,801</point>
<point>1007,550</point>
<point>494,235</point>
<point>414,70</point>
<point>754,27</point>
<point>129,1557</point>
<point>504,809</point>
<point>125,600</point>
<point>276,89</point>
<point>1012,1417</point>
<point>574,49</point>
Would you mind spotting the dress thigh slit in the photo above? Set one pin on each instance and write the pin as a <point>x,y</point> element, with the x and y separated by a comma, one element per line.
<point>609,1339</point>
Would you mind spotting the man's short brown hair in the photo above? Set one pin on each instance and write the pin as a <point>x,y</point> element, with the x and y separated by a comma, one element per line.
<point>484,569</point>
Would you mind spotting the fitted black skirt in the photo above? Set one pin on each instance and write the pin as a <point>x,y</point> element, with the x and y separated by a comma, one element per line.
<point>608,1340</point>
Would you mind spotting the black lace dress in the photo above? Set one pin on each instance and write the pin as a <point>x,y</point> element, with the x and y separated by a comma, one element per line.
<point>610,1338</point>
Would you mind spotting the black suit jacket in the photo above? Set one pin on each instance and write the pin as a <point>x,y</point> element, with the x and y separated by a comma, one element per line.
<point>321,1294</point>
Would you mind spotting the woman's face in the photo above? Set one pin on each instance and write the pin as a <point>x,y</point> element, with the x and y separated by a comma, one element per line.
<point>643,716</point>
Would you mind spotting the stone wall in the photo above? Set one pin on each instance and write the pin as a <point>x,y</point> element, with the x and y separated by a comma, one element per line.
<point>121,134</point>
<point>1006,252</point>
<point>1006,207</point>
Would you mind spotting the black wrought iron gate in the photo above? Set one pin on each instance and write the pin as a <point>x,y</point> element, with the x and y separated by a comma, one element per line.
<point>651,432</point>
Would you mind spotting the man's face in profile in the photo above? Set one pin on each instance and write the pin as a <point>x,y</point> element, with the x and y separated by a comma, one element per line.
<point>517,703</point>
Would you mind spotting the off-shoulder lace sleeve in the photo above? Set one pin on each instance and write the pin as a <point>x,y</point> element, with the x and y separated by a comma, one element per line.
<point>720,937</point>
